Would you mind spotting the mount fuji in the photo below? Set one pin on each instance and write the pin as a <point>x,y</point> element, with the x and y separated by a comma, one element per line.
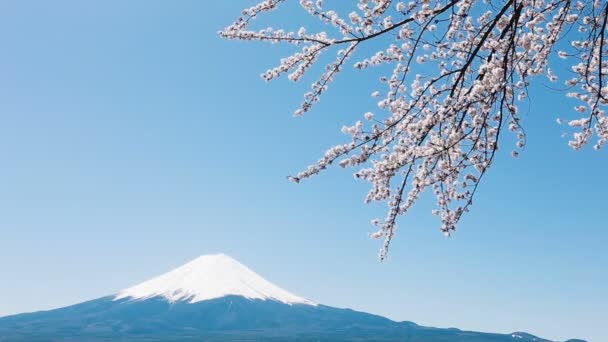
<point>216,298</point>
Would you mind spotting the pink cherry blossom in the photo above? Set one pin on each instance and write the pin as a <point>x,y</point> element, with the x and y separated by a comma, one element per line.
<point>439,132</point>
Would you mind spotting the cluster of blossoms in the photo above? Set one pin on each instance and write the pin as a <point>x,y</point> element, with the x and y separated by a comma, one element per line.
<point>460,69</point>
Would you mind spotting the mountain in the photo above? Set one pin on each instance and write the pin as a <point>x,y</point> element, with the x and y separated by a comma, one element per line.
<point>210,277</point>
<point>215,298</point>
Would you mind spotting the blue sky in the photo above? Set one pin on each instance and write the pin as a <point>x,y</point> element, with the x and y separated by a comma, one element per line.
<point>133,139</point>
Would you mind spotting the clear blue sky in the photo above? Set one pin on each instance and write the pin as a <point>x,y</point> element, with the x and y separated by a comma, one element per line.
<point>133,139</point>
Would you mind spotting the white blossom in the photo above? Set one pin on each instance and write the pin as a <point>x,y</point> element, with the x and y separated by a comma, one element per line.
<point>439,132</point>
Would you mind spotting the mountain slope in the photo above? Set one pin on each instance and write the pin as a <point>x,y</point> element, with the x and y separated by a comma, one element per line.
<point>227,318</point>
<point>215,298</point>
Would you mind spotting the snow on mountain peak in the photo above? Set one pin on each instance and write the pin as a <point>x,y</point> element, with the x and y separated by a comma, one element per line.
<point>209,277</point>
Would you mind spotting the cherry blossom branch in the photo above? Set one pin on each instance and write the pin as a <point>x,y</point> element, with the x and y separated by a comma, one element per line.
<point>460,71</point>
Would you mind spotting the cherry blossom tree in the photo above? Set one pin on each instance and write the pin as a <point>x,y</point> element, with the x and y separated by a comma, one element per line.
<point>460,70</point>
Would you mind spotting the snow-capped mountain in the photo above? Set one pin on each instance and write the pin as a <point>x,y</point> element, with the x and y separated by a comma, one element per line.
<point>215,298</point>
<point>210,277</point>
